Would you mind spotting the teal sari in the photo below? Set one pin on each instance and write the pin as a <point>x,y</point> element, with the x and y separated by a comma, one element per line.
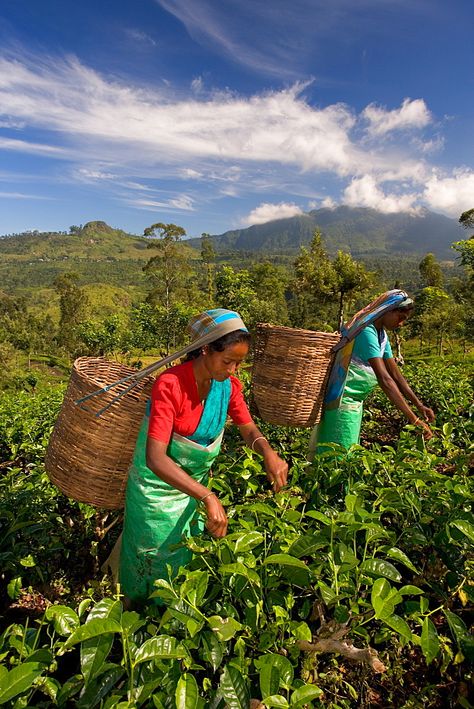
<point>157,515</point>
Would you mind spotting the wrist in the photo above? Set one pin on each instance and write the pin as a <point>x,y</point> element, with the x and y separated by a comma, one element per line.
<point>204,497</point>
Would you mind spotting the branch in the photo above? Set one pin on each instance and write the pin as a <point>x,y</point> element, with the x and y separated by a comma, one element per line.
<point>365,655</point>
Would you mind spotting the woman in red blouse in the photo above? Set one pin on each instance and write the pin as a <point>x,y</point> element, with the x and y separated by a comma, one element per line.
<point>178,442</point>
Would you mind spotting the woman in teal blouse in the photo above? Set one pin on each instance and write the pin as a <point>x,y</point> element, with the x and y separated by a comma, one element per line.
<point>370,362</point>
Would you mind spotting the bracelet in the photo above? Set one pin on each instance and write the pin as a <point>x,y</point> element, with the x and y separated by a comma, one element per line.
<point>255,440</point>
<point>206,495</point>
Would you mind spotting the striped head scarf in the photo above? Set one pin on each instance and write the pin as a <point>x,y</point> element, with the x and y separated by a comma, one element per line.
<point>390,300</point>
<point>214,323</point>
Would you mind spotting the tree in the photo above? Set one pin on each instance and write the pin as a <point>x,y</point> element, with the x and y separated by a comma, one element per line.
<point>314,282</point>
<point>430,271</point>
<point>270,283</point>
<point>234,290</point>
<point>170,271</point>
<point>467,219</point>
<point>73,303</point>
<point>208,257</point>
<point>351,279</point>
<point>319,281</point>
<point>101,338</point>
<point>466,249</point>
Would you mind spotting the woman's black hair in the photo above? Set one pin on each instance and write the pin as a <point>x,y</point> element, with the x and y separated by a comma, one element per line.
<point>232,338</point>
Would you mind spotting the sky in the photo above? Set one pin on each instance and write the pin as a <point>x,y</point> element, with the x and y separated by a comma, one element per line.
<point>219,114</point>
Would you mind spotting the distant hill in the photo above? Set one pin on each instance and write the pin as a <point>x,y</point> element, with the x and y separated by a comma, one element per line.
<point>97,252</point>
<point>362,231</point>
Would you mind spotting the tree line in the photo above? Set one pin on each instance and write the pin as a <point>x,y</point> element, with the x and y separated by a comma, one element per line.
<point>315,291</point>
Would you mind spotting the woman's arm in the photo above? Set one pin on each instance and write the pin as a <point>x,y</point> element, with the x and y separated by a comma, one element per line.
<point>276,468</point>
<point>166,469</point>
<point>390,387</point>
<point>406,390</point>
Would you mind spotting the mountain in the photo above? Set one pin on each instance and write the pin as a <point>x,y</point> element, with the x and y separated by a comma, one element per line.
<point>362,231</point>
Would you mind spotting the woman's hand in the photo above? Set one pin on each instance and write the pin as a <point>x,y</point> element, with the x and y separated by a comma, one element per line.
<point>427,432</point>
<point>427,413</point>
<point>216,517</point>
<point>277,470</point>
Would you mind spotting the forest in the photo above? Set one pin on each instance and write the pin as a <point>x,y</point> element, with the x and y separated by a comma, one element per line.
<point>352,587</point>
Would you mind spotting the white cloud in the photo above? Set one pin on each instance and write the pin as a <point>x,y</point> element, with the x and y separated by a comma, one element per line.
<point>21,195</point>
<point>364,192</point>
<point>197,85</point>
<point>153,128</point>
<point>452,195</point>
<point>411,114</point>
<point>116,134</point>
<point>328,203</point>
<point>140,36</point>
<point>89,174</point>
<point>24,146</point>
<point>181,203</point>
<point>189,173</point>
<point>266,212</point>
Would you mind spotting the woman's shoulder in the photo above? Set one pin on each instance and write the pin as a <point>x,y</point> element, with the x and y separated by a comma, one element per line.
<point>175,376</point>
<point>236,384</point>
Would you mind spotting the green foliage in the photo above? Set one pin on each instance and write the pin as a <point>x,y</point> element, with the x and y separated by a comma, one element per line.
<point>169,272</point>
<point>373,549</point>
<point>72,305</point>
<point>430,271</point>
<point>467,219</point>
<point>319,282</point>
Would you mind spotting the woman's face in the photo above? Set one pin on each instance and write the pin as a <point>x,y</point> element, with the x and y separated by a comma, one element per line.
<point>221,365</point>
<point>395,318</point>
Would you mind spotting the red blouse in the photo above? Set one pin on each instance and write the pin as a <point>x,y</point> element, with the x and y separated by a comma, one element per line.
<point>176,408</point>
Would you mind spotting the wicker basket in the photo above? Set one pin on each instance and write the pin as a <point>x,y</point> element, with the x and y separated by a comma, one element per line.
<point>88,457</point>
<point>289,374</point>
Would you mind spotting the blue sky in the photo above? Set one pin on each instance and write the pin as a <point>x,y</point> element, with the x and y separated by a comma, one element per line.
<point>218,114</point>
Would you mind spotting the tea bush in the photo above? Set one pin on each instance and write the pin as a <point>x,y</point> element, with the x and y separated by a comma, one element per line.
<point>353,587</point>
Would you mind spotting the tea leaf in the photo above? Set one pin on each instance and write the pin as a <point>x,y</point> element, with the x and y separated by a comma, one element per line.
<point>379,567</point>
<point>187,693</point>
<point>234,688</point>
<point>429,640</point>
<point>19,680</point>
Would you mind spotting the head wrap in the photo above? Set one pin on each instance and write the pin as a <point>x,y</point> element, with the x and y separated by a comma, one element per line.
<point>390,300</point>
<point>216,323</point>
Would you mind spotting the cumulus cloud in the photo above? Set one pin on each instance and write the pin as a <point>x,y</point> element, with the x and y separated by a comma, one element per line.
<point>411,114</point>
<point>328,203</point>
<point>452,195</point>
<point>364,192</point>
<point>266,212</point>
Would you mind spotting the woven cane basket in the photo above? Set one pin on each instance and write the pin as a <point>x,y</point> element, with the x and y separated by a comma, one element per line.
<point>88,457</point>
<point>289,374</point>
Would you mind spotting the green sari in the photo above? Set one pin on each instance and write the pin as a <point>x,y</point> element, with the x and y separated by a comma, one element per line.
<point>157,515</point>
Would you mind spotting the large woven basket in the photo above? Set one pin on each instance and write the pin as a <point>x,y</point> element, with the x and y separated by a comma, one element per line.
<point>289,374</point>
<point>88,457</point>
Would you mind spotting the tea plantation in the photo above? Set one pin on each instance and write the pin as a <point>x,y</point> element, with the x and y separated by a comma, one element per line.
<point>354,587</point>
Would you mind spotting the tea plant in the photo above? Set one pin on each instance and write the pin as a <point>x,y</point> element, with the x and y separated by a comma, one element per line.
<point>353,587</point>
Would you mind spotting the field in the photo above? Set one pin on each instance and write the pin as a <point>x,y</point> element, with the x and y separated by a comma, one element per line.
<point>352,588</point>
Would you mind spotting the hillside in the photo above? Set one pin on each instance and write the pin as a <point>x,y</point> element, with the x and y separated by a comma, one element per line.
<point>96,252</point>
<point>362,231</point>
